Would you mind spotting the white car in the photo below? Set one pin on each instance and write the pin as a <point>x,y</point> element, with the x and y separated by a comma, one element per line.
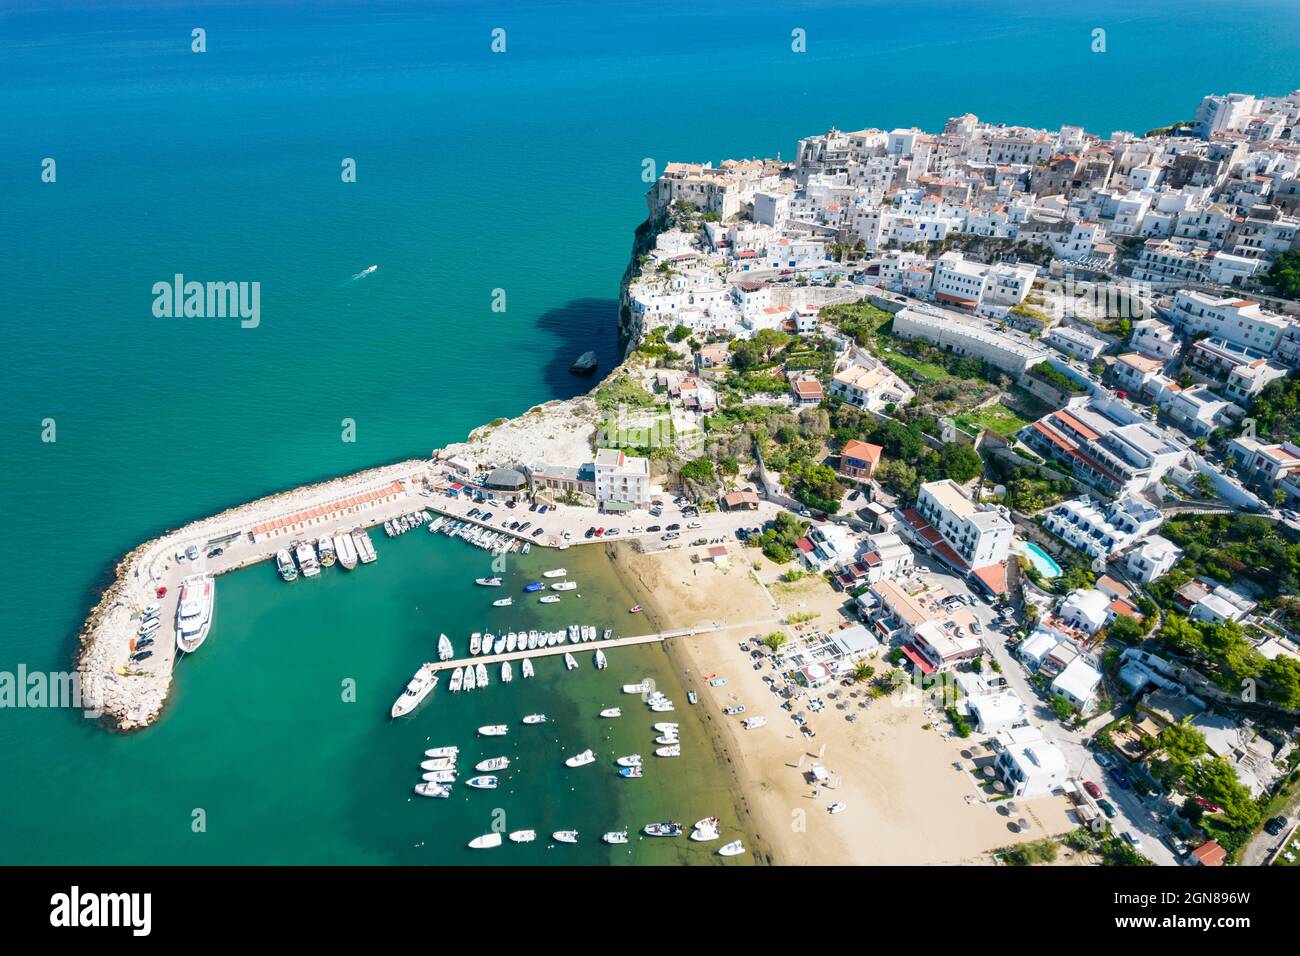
<point>635,529</point>
<point>694,524</point>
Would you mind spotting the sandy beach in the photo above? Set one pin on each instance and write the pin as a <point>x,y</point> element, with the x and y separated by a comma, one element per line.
<point>907,801</point>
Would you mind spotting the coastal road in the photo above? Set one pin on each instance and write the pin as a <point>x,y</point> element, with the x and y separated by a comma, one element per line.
<point>1132,813</point>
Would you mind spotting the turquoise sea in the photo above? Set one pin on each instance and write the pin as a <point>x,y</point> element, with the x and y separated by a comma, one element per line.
<point>476,171</point>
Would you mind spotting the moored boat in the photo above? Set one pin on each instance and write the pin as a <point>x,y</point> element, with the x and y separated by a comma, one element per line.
<point>507,675</point>
<point>486,841</point>
<point>673,751</point>
<point>523,836</point>
<point>457,680</point>
<point>527,667</point>
<point>307,562</point>
<point>631,760</point>
<point>325,548</point>
<point>632,773</point>
<point>493,730</point>
<point>581,760</point>
<point>471,679</point>
<point>365,548</point>
<point>533,586</point>
<point>504,602</point>
<point>475,643</point>
<point>564,586</point>
<point>611,712</point>
<point>416,690</point>
<point>535,719</point>
<point>488,582</point>
<point>284,564</point>
<point>615,836</point>
<point>601,662</point>
<point>451,751</point>
<point>550,599</point>
<point>555,573</point>
<point>482,783</point>
<point>569,662</point>
<point>346,550</point>
<point>445,652</point>
<point>194,610</point>
<point>734,848</point>
<point>663,829</point>
<point>492,763</point>
<point>565,836</point>
<point>429,789</point>
<point>480,675</point>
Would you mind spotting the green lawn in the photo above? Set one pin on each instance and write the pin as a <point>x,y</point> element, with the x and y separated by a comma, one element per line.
<point>995,418</point>
<point>1293,847</point>
<point>900,362</point>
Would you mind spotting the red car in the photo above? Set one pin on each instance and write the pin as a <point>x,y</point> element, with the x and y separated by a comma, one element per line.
<point>1206,805</point>
<point>599,532</point>
<point>1094,791</point>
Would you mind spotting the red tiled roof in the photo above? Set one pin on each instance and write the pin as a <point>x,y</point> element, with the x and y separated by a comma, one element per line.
<point>993,577</point>
<point>804,545</point>
<point>917,659</point>
<point>863,451</point>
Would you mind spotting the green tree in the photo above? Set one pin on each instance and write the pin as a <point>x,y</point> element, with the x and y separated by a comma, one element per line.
<point>775,641</point>
<point>959,462</point>
<point>1215,780</point>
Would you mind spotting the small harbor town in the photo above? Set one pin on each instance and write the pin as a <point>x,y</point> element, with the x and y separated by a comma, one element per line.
<point>958,470</point>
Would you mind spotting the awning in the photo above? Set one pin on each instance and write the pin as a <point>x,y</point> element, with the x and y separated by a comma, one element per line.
<point>916,658</point>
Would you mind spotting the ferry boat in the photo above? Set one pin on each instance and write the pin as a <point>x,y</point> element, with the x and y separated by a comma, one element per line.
<point>488,582</point>
<point>664,829</point>
<point>534,586</point>
<point>492,763</point>
<point>457,680</point>
<point>506,675</point>
<point>480,675</point>
<point>485,842</point>
<point>523,836</point>
<point>611,712</point>
<point>445,652</point>
<point>325,548</point>
<point>615,836</point>
<point>555,573</point>
<point>504,602</point>
<point>194,611</point>
<point>433,789</point>
<point>550,599</point>
<point>418,689</point>
<point>307,562</point>
<point>535,719</point>
<point>365,548</point>
<point>631,773</point>
<point>565,836</point>
<point>482,783</point>
<point>346,550</point>
<point>493,730</point>
<point>581,760</point>
<point>569,662</point>
<point>734,848</point>
<point>564,586</point>
<point>601,662</point>
<point>284,564</point>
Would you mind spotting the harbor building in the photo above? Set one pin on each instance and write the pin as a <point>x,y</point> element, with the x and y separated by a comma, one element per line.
<point>621,479</point>
<point>349,506</point>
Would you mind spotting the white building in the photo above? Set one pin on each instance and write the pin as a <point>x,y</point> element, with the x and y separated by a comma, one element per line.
<point>887,557</point>
<point>982,339</point>
<point>872,388</point>
<point>980,536</point>
<point>1075,342</point>
<point>1101,531</point>
<point>1238,320</point>
<point>1152,559</point>
<point>962,282</point>
<point>621,479</point>
<point>1031,765</point>
<point>1085,610</point>
<point>1078,684</point>
<point>996,712</point>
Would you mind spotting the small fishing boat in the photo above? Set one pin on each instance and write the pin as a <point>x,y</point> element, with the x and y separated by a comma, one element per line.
<point>475,643</point>
<point>569,662</point>
<point>533,639</point>
<point>445,652</point>
<point>663,829</point>
<point>706,829</point>
<point>581,760</point>
<point>718,682</point>
<point>609,632</point>
<point>433,789</point>
<point>482,783</point>
<point>565,836</point>
<point>674,751</point>
<point>631,760</point>
<point>488,582</point>
<point>734,848</point>
<point>346,550</point>
<point>535,719</point>
<point>486,841</point>
<point>666,728</point>
<point>457,680</point>
<point>480,675</point>
<point>634,609</point>
<point>640,688</point>
<point>564,586</point>
<point>499,646</point>
<point>325,548</point>
<point>534,586</point>
<point>631,773</point>
<point>493,730</point>
<point>615,836</point>
<point>523,836</point>
<point>439,763</point>
<point>611,712</point>
<point>506,674</point>
<point>837,808</point>
<point>471,679</point>
<point>668,739</point>
<point>550,599</point>
<point>492,763</point>
<point>504,602</point>
<point>554,573</point>
<point>442,751</point>
<point>527,668</point>
<point>601,662</point>
<point>284,564</point>
<point>440,776</point>
<point>662,706</point>
<point>512,641</point>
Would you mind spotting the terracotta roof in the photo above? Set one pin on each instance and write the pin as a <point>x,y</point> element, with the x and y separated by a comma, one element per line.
<point>1210,854</point>
<point>863,451</point>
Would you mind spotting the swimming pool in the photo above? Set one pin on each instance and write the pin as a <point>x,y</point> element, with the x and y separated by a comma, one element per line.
<point>1042,561</point>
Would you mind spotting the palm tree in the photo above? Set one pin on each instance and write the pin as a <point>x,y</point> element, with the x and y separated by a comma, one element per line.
<point>863,672</point>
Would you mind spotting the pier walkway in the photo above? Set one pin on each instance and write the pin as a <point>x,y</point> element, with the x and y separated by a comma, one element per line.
<point>595,645</point>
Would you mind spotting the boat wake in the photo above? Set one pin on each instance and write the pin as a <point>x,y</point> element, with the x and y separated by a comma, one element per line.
<point>363,273</point>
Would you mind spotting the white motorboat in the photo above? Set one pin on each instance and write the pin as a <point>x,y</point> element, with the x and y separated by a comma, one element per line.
<point>630,773</point>
<point>307,562</point>
<point>706,829</point>
<point>499,645</point>
<point>527,667</point>
<point>194,611</point>
<point>564,586</point>
<point>615,836</point>
<point>493,730</point>
<point>485,842</point>
<point>666,728</point>
<point>445,652</point>
<point>664,829</point>
<point>325,548</point>
<point>428,789</point>
<point>581,760</point>
<point>507,675</point>
<point>611,712</point>
<point>480,675</point>
<point>535,719</point>
<point>442,752</point>
<point>734,848</point>
<point>284,564</point>
<point>565,836</point>
<point>692,697</point>
<point>609,632</point>
<point>492,763</point>
<point>416,690</point>
<point>486,646</point>
<point>549,599</point>
<point>504,602</point>
<point>601,662</point>
<point>662,706</point>
<point>554,573</point>
<point>749,723</point>
<point>667,739</point>
<point>488,582</point>
<point>365,548</point>
<point>475,643</point>
<point>573,633</point>
<point>523,836</point>
<point>674,751</point>
<point>640,688</point>
<point>511,642</point>
<point>457,680</point>
<point>346,550</point>
<point>837,808</point>
<point>569,662</point>
<point>734,711</point>
<point>482,783</point>
<point>532,640</point>
<point>631,760</point>
<point>471,679</point>
<point>439,763</point>
<point>440,776</point>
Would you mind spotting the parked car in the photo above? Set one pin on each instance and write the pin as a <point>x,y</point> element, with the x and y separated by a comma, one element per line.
<point>1094,791</point>
<point>525,526</point>
<point>1117,775</point>
<point>1275,826</point>
<point>192,552</point>
<point>533,506</point>
<point>591,532</point>
<point>216,552</point>
<point>674,527</point>
<point>694,524</point>
<point>537,532</point>
<point>1107,808</point>
<point>1105,761</point>
<point>1132,839</point>
<point>654,527</point>
<point>611,532</point>
<point>670,536</point>
<point>543,509</point>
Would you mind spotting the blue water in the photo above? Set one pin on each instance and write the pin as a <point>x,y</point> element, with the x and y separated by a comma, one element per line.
<point>476,172</point>
<point>1043,561</point>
